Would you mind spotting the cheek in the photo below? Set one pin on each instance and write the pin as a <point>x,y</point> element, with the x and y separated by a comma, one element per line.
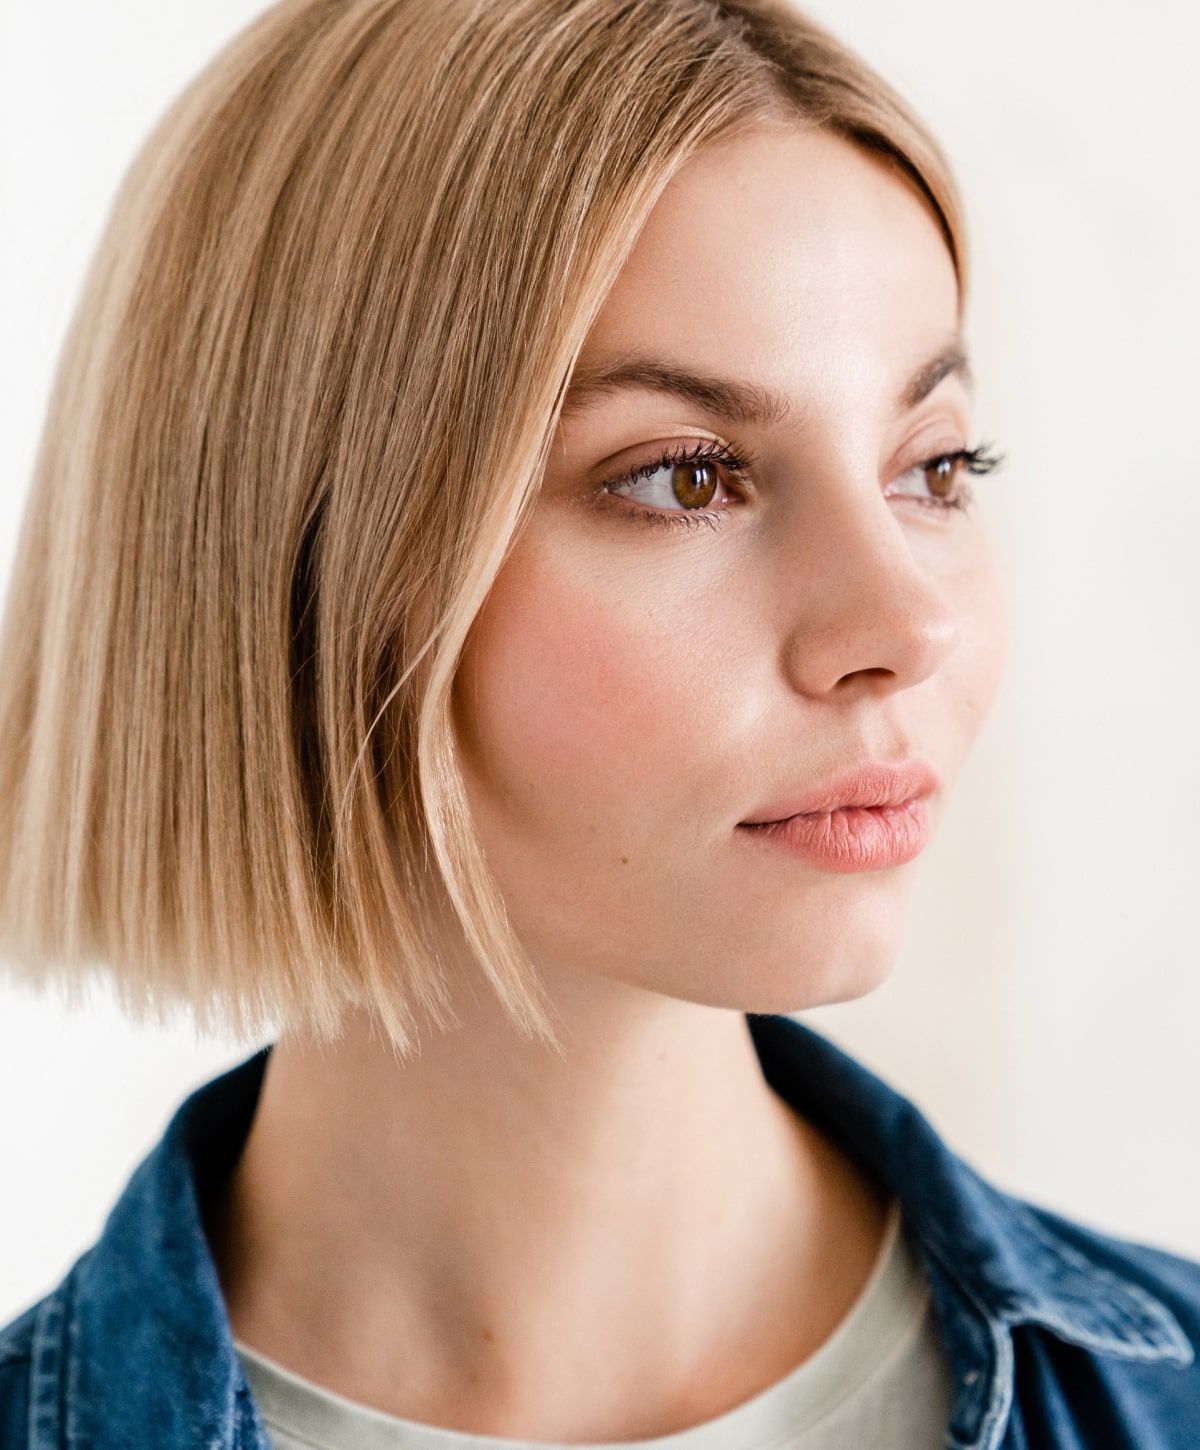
<point>984,646</point>
<point>576,704</point>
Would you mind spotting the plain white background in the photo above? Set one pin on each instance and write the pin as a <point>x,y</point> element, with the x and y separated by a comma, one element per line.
<point>1044,1007</point>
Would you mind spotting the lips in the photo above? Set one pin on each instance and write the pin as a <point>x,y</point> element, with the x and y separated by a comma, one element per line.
<point>870,783</point>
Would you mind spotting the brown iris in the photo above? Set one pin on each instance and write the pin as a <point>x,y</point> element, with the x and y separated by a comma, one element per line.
<point>687,483</point>
<point>941,476</point>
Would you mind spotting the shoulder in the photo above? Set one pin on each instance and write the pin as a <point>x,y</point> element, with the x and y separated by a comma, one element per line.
<point>1127,1369</point>
<point>1094,1336</point>
<point>16,1337</point>
<point>1170,1277</point>
<point>16,1359</point>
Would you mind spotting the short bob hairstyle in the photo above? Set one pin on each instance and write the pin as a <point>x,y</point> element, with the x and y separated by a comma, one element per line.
<point>300,414</point>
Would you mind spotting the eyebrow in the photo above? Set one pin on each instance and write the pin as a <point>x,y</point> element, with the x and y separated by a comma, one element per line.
<point>745,403</point>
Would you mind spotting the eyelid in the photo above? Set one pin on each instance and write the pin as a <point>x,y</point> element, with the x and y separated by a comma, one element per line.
<point>944,430</point>
<point>733,457</point>
<point>926,453</point>
<point>676,444</point>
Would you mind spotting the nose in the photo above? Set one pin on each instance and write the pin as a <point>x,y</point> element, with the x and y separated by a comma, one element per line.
<point>866,610</point>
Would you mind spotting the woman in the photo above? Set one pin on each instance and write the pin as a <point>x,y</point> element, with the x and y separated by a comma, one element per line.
<point>500,599</point>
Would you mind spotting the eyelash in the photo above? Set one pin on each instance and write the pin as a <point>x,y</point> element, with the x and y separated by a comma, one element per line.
<point>738,461</point>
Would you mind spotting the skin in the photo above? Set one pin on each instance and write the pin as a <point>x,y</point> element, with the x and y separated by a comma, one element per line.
<point>468,1238</point>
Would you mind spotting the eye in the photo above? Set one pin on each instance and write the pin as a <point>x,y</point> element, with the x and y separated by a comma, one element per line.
<point>680,483</point>
<point>942,476</point>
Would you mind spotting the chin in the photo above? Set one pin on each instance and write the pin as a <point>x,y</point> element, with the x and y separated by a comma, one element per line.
<point>799,985</point>
<point>794,985</point>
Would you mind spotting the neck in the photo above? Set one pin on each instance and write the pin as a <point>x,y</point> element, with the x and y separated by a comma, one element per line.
<point>465,1238</point>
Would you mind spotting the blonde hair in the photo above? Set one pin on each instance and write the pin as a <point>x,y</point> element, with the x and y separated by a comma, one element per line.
<point>299,417</point>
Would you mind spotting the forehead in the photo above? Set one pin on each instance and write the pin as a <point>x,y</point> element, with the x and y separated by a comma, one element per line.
<point>788,255</point>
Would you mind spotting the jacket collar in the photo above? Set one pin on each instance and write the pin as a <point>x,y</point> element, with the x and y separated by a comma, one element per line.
<point>1002,1256</point>
<point>135,1346</point>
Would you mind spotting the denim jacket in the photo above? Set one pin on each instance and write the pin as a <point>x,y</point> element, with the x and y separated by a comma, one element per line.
<point>1056,1334</point>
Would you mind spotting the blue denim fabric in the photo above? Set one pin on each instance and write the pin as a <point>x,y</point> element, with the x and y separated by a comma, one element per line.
<point>1057,1335</point>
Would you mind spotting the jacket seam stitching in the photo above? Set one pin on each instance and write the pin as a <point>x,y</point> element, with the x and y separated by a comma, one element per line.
<point>45,1380</point>
<point>999,1406</point>
<point>999,1368</point>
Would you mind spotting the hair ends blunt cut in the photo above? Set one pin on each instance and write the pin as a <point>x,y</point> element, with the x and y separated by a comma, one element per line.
<point>300,413</point>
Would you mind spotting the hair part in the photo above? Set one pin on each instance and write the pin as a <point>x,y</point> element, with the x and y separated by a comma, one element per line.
<point>300,414</point>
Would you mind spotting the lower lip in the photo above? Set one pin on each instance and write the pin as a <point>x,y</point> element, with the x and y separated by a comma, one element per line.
<point>855,838</point>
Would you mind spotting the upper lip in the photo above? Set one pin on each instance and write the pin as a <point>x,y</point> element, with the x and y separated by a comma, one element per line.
<point>870,783</point>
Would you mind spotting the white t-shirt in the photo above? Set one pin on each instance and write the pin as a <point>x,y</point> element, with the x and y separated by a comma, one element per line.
<point>881,1379</point>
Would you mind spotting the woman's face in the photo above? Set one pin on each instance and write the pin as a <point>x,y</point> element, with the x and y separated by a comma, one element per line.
<point>640,682</point>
